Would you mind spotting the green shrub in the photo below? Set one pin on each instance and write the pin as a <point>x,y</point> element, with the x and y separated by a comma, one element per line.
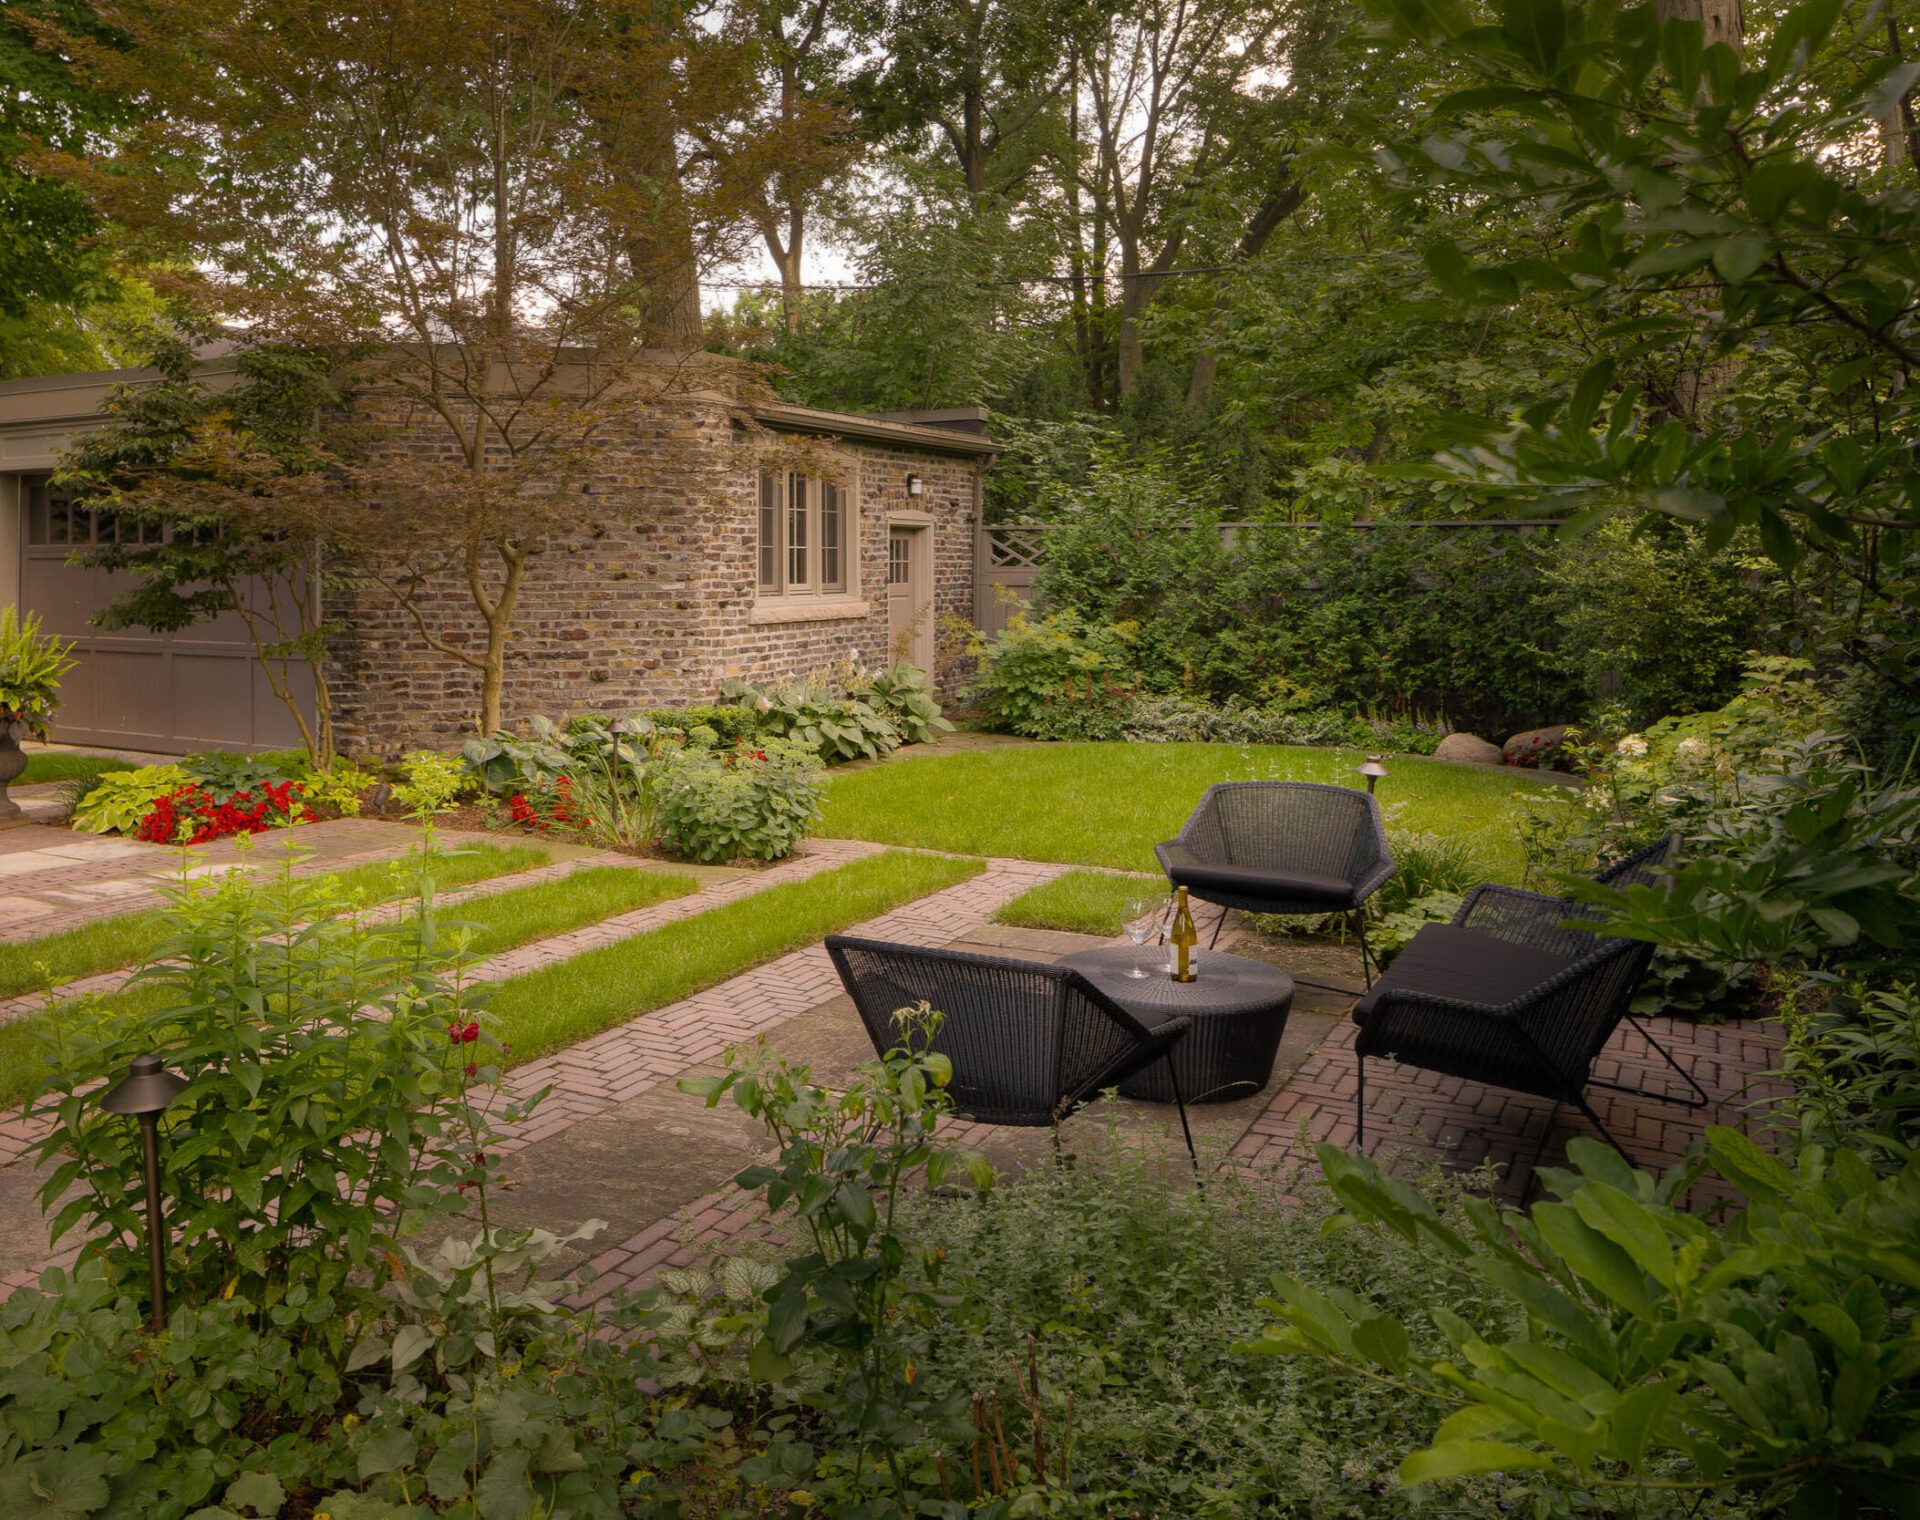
<point>1058,677</point>
<point>115,801</point>
<point>1654,622</point>
<point>758,803</point>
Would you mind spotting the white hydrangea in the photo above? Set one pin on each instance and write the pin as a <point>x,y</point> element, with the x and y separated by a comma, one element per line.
<point>1633,745</point>
<point>1691,748</point>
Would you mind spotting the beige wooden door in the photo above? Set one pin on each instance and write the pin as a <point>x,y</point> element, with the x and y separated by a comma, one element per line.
<point>909,596</point>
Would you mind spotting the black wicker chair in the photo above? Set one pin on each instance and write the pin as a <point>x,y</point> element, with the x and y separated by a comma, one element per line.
<point>1030,1043</point>
<point>1503,995</point>
<point>1282,847</point>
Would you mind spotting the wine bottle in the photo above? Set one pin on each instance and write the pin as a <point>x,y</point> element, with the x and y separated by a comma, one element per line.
<point>1183,936</point>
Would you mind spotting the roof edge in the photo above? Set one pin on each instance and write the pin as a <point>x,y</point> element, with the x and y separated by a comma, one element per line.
<point>874,428</point>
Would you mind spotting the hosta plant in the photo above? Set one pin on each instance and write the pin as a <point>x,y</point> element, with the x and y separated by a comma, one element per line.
<point>836,728</point>
<point>118,800</point>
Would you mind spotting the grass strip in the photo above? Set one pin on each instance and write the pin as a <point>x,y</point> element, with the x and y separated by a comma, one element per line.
<point>1108,804</point>
<point>1082,902</point>
<point>501,921</point>
<point>498,922</point>
<point>127,939</point>
<point>559,1005</point>
<point>56,766</point>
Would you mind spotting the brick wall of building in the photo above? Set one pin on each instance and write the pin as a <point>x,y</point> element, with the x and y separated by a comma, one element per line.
<point>650,600</point>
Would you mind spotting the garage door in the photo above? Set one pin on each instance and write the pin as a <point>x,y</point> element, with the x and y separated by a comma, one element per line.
<point>169,693</point>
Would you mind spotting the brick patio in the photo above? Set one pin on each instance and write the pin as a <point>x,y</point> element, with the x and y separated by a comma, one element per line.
<point>1414,1118</point>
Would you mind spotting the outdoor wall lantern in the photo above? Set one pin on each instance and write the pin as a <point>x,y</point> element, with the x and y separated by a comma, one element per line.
<point>1373,770</point>
<point>145,1092</point>
<point>916,486</point>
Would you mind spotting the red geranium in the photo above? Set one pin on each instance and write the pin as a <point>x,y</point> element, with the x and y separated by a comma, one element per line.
<point>191,814</point>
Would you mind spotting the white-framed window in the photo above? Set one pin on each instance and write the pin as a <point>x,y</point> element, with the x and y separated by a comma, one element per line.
<point>806,537</point>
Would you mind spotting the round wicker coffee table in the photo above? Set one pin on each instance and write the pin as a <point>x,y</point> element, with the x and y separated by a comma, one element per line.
<point>1239,1010</point>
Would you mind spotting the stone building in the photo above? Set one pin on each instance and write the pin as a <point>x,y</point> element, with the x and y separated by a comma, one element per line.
<point>773,541</point>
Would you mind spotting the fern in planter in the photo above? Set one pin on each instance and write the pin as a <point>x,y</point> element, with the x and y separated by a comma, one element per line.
<point>31,665</point>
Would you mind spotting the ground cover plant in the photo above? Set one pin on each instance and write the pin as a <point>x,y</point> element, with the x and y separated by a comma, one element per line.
<point>1081,902</point>
<point>1108,804</point>
<point>557,1005</point>
<point>126,939</point>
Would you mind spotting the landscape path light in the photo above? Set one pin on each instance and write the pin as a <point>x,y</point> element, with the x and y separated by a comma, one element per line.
<point>146,1092</point>
<point>1373,770</point>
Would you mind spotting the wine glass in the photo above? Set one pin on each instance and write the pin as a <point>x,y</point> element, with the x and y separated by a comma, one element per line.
<point>1143,921</point>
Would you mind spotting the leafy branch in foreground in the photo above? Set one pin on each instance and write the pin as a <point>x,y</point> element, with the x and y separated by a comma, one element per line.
<point>1776,1352</point>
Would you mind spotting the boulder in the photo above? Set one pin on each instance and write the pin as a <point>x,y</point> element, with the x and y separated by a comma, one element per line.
<point>1468,749</point>
<point>1537,747</point>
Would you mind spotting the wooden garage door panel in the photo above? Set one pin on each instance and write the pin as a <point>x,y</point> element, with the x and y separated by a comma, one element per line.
<point>125,692</point>
<point>197,689</point>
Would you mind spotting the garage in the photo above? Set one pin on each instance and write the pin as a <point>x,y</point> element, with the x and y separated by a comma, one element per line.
<point>173,693</point>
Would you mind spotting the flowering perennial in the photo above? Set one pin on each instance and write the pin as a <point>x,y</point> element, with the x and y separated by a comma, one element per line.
<point>192,815</point>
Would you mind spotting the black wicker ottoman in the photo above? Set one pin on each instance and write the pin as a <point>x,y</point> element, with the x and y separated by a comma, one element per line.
<point>1239,1010</point>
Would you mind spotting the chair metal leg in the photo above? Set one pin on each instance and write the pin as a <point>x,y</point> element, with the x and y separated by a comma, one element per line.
<point>1366,962</point>
<point>1180,1103</point>
<point>1605,1133</point>
<point>1218,924</point>
<point>1360,1104</point>
<point>1698,1100</point>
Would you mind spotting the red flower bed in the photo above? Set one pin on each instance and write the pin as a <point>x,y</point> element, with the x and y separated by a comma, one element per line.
<point>192,815</point>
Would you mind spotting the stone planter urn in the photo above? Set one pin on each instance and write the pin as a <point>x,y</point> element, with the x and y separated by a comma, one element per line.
<point>12,762</point>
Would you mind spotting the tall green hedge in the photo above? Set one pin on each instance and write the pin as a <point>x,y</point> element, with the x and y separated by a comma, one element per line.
<point>1493,629</point>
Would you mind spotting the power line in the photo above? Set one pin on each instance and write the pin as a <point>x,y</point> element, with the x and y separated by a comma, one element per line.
<point>1091,277</point>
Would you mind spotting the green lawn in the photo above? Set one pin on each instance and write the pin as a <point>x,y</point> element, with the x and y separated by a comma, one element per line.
<point>58,766</point>
<point>1108,804</point>
<point>1083,902</point>
<point>128,938</point>
<point>497,922</point>
<point>559,1005</point>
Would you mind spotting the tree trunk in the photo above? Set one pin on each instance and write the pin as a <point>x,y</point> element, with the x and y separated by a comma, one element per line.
<point>1132,355</point>
<point>1281,202</point>
<point>1720,20</point>
<point>498,614</point>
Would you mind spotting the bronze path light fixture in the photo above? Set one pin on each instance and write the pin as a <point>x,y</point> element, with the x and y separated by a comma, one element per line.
<point>145,1092</point>
<point>1373,770</point>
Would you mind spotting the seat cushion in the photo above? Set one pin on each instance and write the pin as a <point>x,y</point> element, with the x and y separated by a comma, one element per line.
<point>1463,965</point>
<point>1332,892</point>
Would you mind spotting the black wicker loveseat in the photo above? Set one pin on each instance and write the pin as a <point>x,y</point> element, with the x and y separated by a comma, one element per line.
<point>1505,996</point>
<point>1282,847</point>
<point>1030,1043</point>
